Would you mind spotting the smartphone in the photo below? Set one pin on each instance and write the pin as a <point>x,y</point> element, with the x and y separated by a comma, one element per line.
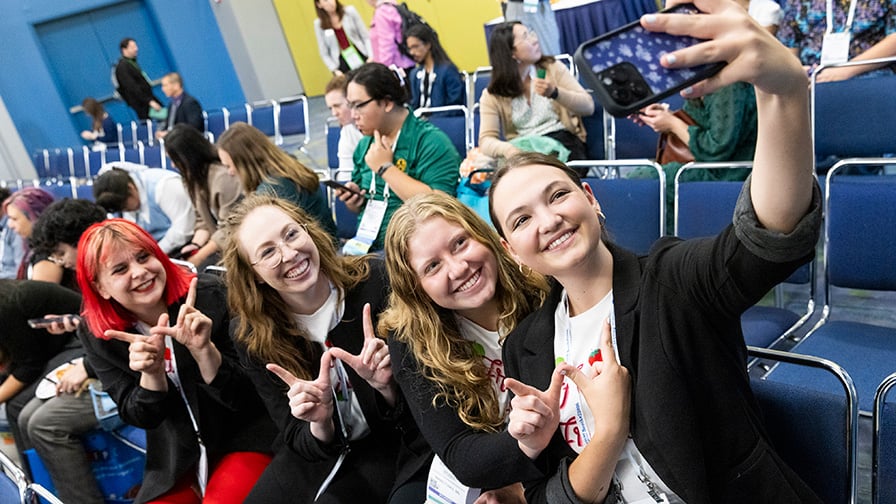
<point>43,323</point>
<point>337,185</point>
<point>623,66</point>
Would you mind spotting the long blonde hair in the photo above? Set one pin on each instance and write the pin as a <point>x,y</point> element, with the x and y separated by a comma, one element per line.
<point>430,331</point>
<point>256,159</point>
<point>266,325</point>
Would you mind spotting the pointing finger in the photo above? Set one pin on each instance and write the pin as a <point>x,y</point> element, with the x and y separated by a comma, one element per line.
<point>368,323</point>
<point>288,378</point>
<point>519,388</point>
<point>606,343</point>
<point>326,362</point>
<point>344,356</point>
<point>122,336</point>
<point>191,294</point>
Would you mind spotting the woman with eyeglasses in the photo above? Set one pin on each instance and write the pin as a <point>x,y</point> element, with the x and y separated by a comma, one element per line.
<point>660,407</point>
<point>305,334</point>
<point>530,94</point>
<point>400,155</point>
<point>157,337</point>
<point>435,81</point>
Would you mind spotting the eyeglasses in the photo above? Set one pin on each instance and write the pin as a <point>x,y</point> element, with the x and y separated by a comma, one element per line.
<point>526,36</point>
<point>357,106</point>
<point>271,256</point>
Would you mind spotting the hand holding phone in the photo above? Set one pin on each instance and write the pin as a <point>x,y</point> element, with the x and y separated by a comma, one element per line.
<point>623,66</point>
<point>342,187</point>
<point>43,323</point>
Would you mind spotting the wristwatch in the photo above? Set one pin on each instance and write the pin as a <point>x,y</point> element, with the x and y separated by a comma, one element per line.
<point>554,94</point>
<point>382,169</point>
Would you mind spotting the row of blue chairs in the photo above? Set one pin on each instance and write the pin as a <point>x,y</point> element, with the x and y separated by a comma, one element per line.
<point>86,162</point>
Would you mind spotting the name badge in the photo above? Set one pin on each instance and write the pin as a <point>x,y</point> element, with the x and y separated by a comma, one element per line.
<point>368,229</point>
<point>443,488</point>
<point>530,6</point>
<point>835,48</point>
<point>352,57</point>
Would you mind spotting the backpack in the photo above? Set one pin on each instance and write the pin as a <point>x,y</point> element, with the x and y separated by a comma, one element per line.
<point>409,18</point>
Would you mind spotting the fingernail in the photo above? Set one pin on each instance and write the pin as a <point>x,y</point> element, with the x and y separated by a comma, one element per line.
<point>563,372</point>
<point>649,18</point>
<point>670,59</point>
<point>688,91</point>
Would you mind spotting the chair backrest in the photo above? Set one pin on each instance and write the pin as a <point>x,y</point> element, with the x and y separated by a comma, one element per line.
<point>567,60</point>
<point>133,154</point>
<point>264,117</point>
<point>631,141</point>
<point>154,156</point>
<point>854,117</point>
<point>813,431</point>
<point>95,160</point>
<point>142,131</point>
<point>346,220</point>
<point>36,491</point>
<point>334,131</point>
<point>13,482</point>
<point>293,119</point>
<point>704,208</point>
<point>215,121</point>
<point>41,160</point>
<point>594,131</point>
<point>59,164</point>
<point>453,120</point>
<point>78,158</point>
<point>238,113</point>
<point>858,243</point>
<point>883,460</point>
<point>635,207</point>
<point>481,77</point>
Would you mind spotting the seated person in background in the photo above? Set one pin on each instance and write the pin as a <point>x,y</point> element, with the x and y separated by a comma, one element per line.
<point>152,197</point>
<point>27,353</point>
<point>400,156</point>
<point>724,130</point>
<point>435,81</point>
<point>349,135</point>
<point>530,94</point>
<point>12,249</point>
<point>182,107</point>
<point>54,426</point>
<point>103,129</point>
<point>207,434</point>
<point>456,294</point>
<point>872,35</point>
<point>212,190</point>
<point>262,167</point>
<point>23,208</point>
<point>307,341</point>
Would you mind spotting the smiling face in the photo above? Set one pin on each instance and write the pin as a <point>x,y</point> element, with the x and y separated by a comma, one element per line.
<point>549,223</point>
<point>18,221</point>
<point>456,272</point>
<point>135,278</point>
<point>267,230</point>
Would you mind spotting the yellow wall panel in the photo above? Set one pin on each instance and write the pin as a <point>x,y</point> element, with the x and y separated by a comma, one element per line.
<point>458,22</point>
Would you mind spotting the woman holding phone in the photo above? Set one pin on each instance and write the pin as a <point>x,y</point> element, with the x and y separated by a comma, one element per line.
<point>455,295</point>
<point>693,432</point>
<point>157,338</point>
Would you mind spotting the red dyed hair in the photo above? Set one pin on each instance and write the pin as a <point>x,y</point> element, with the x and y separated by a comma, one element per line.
<point>93,248</point>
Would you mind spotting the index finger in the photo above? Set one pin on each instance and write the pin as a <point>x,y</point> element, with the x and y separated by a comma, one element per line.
<point>606,343</point>
<point>519,388</point>
<point>288,378</point>
<point>326,362</point>
<point>191,294</point>
<point>122,336</point>
<point>368,323</point>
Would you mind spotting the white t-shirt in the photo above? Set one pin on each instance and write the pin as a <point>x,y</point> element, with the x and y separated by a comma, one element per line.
<point>766,12</point>
<point>577,341</point>
<point>486,344</point>
<point>318,326</point>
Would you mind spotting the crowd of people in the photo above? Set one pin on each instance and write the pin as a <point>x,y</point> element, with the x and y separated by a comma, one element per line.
<point>528,360</point>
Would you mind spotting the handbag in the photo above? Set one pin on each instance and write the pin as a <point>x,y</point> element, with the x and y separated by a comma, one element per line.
<point>473,191</point>
<point>670,148</point>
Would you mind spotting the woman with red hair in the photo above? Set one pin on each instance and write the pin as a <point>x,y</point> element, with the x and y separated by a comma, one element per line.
<point>160,345</point>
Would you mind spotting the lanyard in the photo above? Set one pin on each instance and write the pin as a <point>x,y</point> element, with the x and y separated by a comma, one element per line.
<point>372,189</point>
<point>849,17</point>
<point>342,398</point>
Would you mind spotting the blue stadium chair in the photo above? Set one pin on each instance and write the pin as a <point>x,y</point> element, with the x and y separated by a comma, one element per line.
<point>567,60</point>
<point>239,113</point>
<point>635,208</point>
<point>705,208</point>
<point>13,482</point>
<point>215,122</point>
<point>133,154</point>
<point>83,188</point>
<point>113,154</point>
<point>264,117</point>
<point>481,77</point>
<point>334,131</point>
<point>59,164</point>
<point>142,131</point>
<point>853,118</point>
<point>453,120</point>
<point>153,155</point>
<point>294,123</point>
<point>346,220</point>
<point>883,445</point>
<point>36,491</point>
<point>95,160</point>
<point>79,160</point>
<point>631,141</point>
<point>858,255</point>
<point>41,161</point>
<point>815,432</point>
<point>594,129</point>
<point>59,187</point>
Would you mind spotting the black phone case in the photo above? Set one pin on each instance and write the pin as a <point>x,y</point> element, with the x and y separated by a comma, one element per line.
<point>623,68</point>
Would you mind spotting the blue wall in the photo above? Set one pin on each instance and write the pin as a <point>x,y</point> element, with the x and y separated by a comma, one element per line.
<point>189,33</point>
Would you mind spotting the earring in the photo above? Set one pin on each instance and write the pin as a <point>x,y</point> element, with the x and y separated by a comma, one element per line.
<point>523,272</point>
<point>601,218</point>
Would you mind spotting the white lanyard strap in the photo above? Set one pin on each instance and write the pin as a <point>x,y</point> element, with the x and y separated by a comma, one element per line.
<point>850,16</point>
<point>171,371</point>
<point>372,189</point>
<point>342,398</point>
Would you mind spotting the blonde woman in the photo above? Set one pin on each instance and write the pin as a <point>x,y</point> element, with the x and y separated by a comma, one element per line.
<point>455,295</point>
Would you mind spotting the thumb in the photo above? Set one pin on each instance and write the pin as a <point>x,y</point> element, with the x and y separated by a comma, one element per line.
<point>556,387</point>
<point>288,378</point>
<point>571,372</point>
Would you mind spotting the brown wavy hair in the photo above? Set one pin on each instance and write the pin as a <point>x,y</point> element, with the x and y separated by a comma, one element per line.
<point>266,325</point>
<point>430,331</point>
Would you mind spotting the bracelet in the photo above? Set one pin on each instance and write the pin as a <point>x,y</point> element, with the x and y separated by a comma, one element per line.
<point>195,244</point>
<point>554,94</point>
<point>382,169</point>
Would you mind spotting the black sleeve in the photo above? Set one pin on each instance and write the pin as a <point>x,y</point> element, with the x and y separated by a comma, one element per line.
<point>190,112</point>
<point>132,86</point>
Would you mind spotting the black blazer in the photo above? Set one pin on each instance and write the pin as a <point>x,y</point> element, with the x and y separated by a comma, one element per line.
<point>133,87</point>
<point>230,413</point>
<point>189,112</point>
<point>694,416</point>
<point>374,465</point>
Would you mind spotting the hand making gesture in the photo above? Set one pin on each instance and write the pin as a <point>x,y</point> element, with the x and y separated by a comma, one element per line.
<point>373,363</point>
<point>534,414</point>
<point>146,355</point>
<point>311,401</point>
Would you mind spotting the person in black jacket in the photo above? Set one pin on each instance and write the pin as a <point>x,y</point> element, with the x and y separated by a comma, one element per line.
<point>132,83</point>
<point>157,338</point>
<point>182,107</point>
<point>661,409</point>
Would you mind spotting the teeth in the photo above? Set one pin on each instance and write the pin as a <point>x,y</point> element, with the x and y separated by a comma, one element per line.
<point>559,241</point>
<point>469,283</point>
<point>143,286</point>
<point>298,270</point>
